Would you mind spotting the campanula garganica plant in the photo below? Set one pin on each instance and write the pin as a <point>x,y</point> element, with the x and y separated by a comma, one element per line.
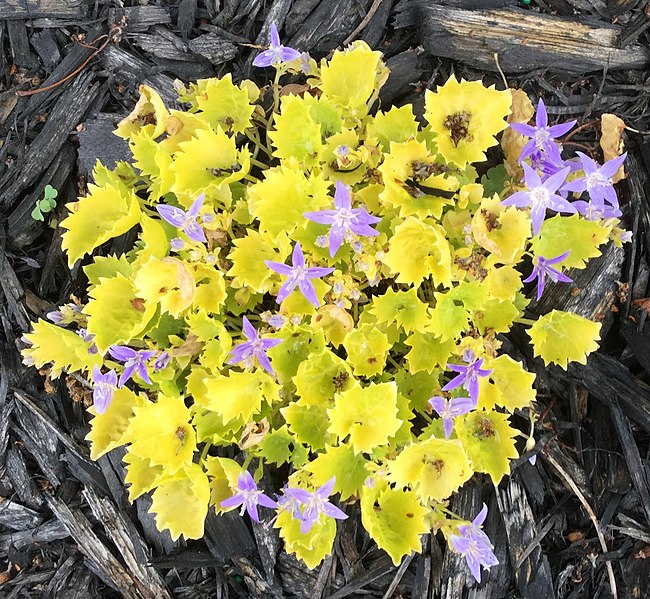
<point>322,285</point>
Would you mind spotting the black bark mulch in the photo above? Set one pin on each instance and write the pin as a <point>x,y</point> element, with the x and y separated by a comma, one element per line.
<point>574,525</point>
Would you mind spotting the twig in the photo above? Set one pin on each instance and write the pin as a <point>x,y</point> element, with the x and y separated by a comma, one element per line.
<point>114,34</point>
<point>592,517</point>
<point>496,59</point>
<point>371,13</point>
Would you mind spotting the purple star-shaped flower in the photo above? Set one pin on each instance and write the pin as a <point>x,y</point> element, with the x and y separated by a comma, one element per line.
<point>474,545</point>
<point>162,361</point>
<point>597,181</point>
<point>540,196</point>
<point>346,221</point>
<point>277,53</point>
<point>186,221</point>
<point>595,211</point>
<point>308,506</point>
<point>133,360</point>
<point>448,409</point>
<point>254,348</point>
<point>298,276</point>
<point>103,389</point>
<point>248,496</point>
<point>468,375</point>
<point>541,133</point>
<point>543,269</point>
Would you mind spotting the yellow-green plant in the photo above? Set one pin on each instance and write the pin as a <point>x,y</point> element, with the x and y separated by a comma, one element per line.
<point>322,286</point>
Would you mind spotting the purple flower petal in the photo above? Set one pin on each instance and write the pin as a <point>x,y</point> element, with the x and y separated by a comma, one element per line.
<point>174,216</point>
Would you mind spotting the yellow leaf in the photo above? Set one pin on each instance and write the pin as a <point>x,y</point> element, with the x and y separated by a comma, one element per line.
<point>367,414</point>
<point>181,503</point>
<point>168,282</point>
<point>63,348</point>
<point>141,476</point>
<point>107,429</point>
<point>160,432</point>
<point>148,115</point>
<point>509,385</point>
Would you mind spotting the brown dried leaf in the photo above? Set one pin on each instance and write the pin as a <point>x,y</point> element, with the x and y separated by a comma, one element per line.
<point>611,142</point>
<point>253,433</point>
<point>512,142</point>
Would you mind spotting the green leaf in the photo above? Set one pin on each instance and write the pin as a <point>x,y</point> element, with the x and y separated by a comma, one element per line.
<point>428,351</point>
<point>397,125</point>
<point>367,414</point>
<point>309,423</point>
<point>281,447</point>
<point>298,345</point>
<point>50,193</point>
<point>321,376</point>
<point>37,215</point>
<point>561,337</point>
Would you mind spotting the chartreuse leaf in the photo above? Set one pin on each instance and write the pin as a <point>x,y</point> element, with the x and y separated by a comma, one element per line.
<point>302,143</point>
<point>281,447</point>
<point>466,116</point>
<point>434,468</point>
<point>224,104</point>
<point>248,256</point>
<point>267,200</point>
<point>222,474</point>
<point>561,337</point>
<point>367,414</point>
<point>502,282</point>
<point>449,317</point>
<point>428,351</point>
<point>309,424</point>
<point>488,439</point>
<point>310,547</point>
<point>341,462</point>
<point>402,307</point>
<point>419,249</point>
<point>64,349</point>
<point>417,388</point>
<point>394,518</point>
<point>367,348</point>
<point>562,233</point>
<point>320,377</point>
<point>141,475</point>
<point>181,503</point>
<point>351,76</point>
<point>509,385</point>
<point>154,238</point>
<point>240,394</point>
<point>107,267</point>
<point>106,212</point>
<point>502,231</point>
<point>168,282</point>
<point>397,125</point>
<point>208,161</point>
<point>107,429</point>
<point>115,312</point>
<point>324,112</point>
<point>299,344</point>
<point>495,315</point>
<point>210,287</point>
<point>160,432</point>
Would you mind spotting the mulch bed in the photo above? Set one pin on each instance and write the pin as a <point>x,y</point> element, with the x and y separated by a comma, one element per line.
<point>574,525</point>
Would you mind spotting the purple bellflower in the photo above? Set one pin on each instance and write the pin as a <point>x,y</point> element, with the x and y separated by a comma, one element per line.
<point>592,211</point>
<point>254,348</point>
<point>467,375</point>
<point>277,53</point>
<point>346,221</point>
<point>541,134</point>
<point>474,545</point>
<point>103,389</point>
<point>249,497</point>
<point>543,268</point>
<point>162,361</point>
<point>186,221</point>
<point>133,360</point>
<point>308,506</point>
<point>88,338</point>
<point>448,409</point>
<point>540,196</point>
<point>597,181</point>
<point>298,276</point>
